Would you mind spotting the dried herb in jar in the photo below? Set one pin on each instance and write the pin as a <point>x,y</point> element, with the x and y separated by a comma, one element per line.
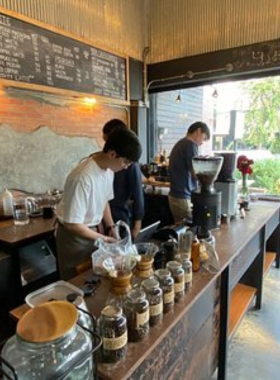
<point>113,329</point>
<point>166,283</point>
<point>178,275</point>
<point>154,296</point>
<point>187,266</point>
<point>136,310</point>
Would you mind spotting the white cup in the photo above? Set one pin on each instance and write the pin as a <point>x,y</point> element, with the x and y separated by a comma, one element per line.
<point>20,211</point>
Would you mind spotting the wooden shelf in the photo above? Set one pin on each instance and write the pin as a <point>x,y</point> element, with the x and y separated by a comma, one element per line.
<point>241,297</point>
<point>269,259</point>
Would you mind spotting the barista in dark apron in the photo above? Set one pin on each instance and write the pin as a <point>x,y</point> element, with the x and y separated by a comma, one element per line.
<point>74,250</point>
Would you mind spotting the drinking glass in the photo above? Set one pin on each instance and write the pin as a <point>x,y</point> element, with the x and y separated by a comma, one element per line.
<point>20,211</point>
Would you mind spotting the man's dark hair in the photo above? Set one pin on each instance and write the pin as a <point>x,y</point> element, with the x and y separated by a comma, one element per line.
<point>125,143</point>
<point>112,125</point>
<point>199,124</point>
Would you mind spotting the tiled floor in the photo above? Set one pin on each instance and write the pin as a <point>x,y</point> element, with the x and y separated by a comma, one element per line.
<point>254,352</point>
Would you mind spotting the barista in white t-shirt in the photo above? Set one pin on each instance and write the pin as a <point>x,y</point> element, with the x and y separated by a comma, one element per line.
<point>84,204</point>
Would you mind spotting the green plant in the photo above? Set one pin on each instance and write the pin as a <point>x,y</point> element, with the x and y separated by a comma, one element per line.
<point>267,175</point>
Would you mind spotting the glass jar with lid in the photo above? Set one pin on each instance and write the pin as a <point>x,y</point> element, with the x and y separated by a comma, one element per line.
<point>155,298</point>
<point>136,310</point>
<point>178,275</point>
<point>113,330</point>
<point>166,283</point>
<point>49,345</point>
<point>187,266</point>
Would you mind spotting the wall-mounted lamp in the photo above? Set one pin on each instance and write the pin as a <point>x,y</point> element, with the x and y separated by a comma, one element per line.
<point>89,101</point>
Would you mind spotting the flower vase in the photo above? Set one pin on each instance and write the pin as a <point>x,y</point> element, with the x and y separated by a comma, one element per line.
<point>244,196</point>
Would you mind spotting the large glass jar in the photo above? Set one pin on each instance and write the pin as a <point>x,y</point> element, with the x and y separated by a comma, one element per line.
<point>49,344</point>
<point>155,298</point>
<point>113,329</point>
<point>166,283</point>
<point>136,310</point>
<point>178,274</point>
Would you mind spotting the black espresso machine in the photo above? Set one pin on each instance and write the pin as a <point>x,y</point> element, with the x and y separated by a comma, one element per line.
<point>206,199</point>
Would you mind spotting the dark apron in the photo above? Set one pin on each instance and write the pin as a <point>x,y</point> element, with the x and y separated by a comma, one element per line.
<point>72,250</point>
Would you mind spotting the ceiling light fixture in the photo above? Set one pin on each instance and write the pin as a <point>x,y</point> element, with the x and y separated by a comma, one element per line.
<point>215,94</point>
<point>179,98</point>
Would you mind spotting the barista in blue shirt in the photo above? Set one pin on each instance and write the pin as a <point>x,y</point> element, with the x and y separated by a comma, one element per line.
<point>182,178</point>
<point>128,202</point>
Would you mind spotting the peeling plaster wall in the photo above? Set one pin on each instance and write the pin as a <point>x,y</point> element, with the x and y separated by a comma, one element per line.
<point>40,160</point>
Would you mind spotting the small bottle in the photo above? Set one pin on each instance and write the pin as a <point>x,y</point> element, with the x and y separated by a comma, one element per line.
<point>7,203</point>
<point>187,266</point>
<point>155,298</point>
<point>136,309</point>
<point>178,275</point>
<point>195,255</point>
<point>166,283</point>
<point>113,329</point>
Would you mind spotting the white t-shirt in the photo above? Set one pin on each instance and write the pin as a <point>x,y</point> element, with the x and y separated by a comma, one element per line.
<point>87,190</point>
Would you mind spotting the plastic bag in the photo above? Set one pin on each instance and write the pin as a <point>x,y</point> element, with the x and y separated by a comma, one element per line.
<point>114,251</point>
<point>120,245</point>
<point>208,257</point>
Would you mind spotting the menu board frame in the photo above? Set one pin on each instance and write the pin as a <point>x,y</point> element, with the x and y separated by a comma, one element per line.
<point>65,64</point>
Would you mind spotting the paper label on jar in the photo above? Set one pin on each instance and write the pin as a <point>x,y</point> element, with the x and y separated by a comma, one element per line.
<point>142,318</point>
<point>168,297</point>
<point>156,309</point>
<point>179,287</point>
<point>114,343</point>
<point>188,277</point>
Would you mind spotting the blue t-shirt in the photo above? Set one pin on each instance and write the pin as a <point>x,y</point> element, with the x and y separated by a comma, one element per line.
<point>128,187</point>
<point>180,167</point>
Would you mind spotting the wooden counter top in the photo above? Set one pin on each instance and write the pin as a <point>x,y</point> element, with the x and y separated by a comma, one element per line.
<point>12,235</point>
<point>187,338</point>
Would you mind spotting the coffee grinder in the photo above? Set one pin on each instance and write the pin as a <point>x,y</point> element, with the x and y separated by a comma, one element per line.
<point>206,199</point>
<point>227,184</point>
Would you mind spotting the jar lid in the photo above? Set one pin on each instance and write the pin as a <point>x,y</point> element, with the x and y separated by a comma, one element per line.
<point>150,283</point>
<point>47,322</point>
<point>173,265</point>
<point>136,294</point>
<point>112,311</point>
<point>162,272</point>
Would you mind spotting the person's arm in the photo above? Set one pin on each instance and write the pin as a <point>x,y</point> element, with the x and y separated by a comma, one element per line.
<point>137,196</point>
<point>136,228</point>
<point>109,222</point>
<point>84,231</point>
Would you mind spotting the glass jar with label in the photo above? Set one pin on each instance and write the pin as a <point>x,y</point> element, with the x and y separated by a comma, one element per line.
<point>166,283</point>
<point>187,266</point>
<point>113,329</point>
<point>178,275</point>
<point>136,309</point>
<point>154,296</point>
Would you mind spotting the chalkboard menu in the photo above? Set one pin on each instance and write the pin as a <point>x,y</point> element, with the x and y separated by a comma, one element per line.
<point>31,54</point>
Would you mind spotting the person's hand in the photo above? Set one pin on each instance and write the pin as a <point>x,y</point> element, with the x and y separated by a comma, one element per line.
<point>135,230</point>
<point>109,239</point>
<point>113,232</point>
